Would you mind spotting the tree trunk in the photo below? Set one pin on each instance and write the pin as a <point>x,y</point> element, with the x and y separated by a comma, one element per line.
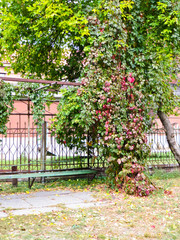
<point>170,135</point>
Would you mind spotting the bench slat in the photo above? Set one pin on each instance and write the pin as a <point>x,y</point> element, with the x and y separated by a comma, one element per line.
<point>48,174</point>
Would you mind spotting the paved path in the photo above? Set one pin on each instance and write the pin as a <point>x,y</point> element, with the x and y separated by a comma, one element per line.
<point>41,202</point>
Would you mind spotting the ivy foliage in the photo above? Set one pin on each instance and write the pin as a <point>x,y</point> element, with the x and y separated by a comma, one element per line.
<point>39,99</point>
<point>69,124</point>
<point>6,105</point>
<point>127,70</point>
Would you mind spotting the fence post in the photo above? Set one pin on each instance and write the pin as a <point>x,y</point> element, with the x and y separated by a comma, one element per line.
<point>88,152</point>
<point>14,181</point>
<point>43,148</point>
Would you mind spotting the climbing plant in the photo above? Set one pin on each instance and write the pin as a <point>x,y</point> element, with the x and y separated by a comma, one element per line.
<point>39,98</point>
<point>6,104</point>
<point>127,70</point>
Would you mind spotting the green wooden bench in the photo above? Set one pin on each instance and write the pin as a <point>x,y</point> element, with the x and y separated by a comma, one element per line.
<point>33,176</point>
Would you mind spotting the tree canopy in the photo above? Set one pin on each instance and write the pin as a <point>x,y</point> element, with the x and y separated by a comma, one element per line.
<point>44,38</point>
<point>51,38</point>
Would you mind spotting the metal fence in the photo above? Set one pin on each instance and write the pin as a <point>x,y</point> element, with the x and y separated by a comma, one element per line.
<point>161,154</point>
<point>29,151</point>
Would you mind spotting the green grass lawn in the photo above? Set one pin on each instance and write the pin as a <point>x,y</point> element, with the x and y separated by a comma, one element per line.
<point>120,217</point>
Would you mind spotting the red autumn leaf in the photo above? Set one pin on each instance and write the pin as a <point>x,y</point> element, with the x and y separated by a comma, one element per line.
<point>167,192</point>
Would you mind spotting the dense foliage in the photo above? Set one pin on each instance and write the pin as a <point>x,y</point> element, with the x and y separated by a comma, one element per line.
<point>39,96</point>
<point>129,52</point>
<point>126,54</point>
<point>6,104</point>
<point>44,37</point>
<point>9,93</point>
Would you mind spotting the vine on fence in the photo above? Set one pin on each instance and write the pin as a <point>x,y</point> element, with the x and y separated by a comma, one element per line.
<point>9,93</point>
<point>6,104</point>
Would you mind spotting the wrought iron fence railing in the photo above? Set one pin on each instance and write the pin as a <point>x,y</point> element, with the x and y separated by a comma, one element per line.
<point>160,151</point>
<point>23,147</point>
